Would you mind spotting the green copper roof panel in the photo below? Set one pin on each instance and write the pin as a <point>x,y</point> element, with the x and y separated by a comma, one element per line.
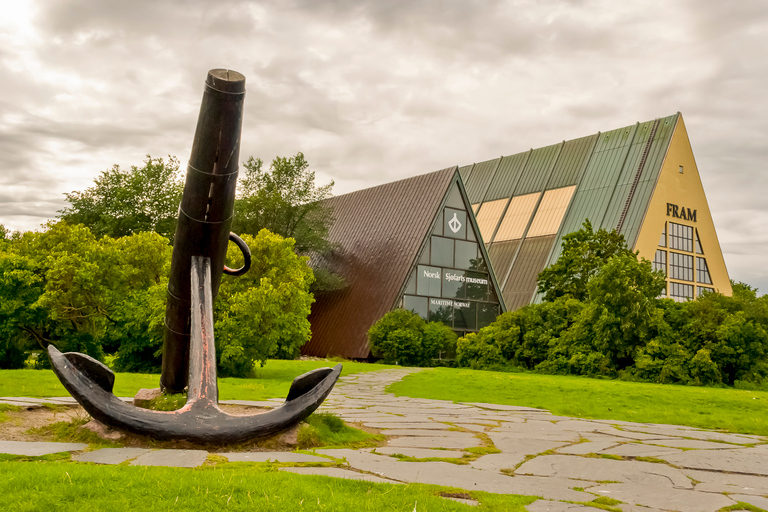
<point>648,178</point>
<point>536,171</point>
<point>571,162</point>
<point>480,178</point>
<point>465,172</point>
<point>507,176</point>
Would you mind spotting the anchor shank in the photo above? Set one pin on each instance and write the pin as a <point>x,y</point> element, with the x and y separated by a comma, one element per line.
<point>202,349</point>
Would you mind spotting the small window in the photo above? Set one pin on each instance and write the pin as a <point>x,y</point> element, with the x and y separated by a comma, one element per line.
<point>699,250</point>
<point>681,169</point>
<point>680,292</point>
<point>680,237</point>
<point>416,304</point>
<point>442,252</point>
<point>702,271</point>
<point>681,266</point>
<point>663,239</point>
<point>466,255</point>
<point>428,281</point>
<point>660,261</point>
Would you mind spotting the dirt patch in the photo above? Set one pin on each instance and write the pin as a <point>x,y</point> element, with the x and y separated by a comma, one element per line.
<point>18,426</point>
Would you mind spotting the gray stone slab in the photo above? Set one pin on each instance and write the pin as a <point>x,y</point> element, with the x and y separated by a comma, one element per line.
<point>715,481</point>
<point>111,455</point>
<point>470,502</point>
<point>758,501</point>
<point>522,432</point>
<point>464,477</point>
<point>695,444</point>
<point>640,450</point>
<point>412,432</point>
<point>498,461</point>
<point>640,436</point>
<point>580,425</point>
<point>172,458</point>
<point>704,435</point>
<point>744,460</point>
<point>643,473</point>
<point>585,448</point>
<point>435,442</point>
<point>499,407</point>
<point>432,425</point>
<point>272,456</point>
<point>664,498</point>
<point>523,445</point>
<point>25,405</point>
<point>339,473</point>
<point>36,449</point>
<point>421,453</point>
<point>471,426</point>
<point>556,506</point>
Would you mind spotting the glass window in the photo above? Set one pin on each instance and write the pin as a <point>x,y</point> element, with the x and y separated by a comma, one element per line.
<point>466,255</point>
<point>454,284</point>
<point>702,271</point>
<point>438,230</point>
<point>680,292</point>
<point>477,285</point>
<point>680,237</point>
<point>455,223</point>
<point>442,252</point>
<point>663,240</point>
<point>702,289</point>
<point>486,314</point>
<point>428,281</point>
<point>660,261</point>
<point>454,199</point>
<point>464,315</point>
<point>441,310</point>
<point>681,266</point>
<point>410,288</point>
<point>699,250</point>
<point>416,304</point>
<point>471,234</point>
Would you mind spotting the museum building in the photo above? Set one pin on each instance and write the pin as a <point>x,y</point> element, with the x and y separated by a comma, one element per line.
<point>412,243</point>
<point>461,245</point>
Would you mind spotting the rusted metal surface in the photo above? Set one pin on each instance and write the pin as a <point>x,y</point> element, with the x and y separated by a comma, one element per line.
<point>379,232</point>
<point>205,213</point>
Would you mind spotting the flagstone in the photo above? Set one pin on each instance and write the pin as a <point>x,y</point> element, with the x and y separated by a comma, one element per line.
<point>339,473</point>
<point>172,458</point>
<point>37,449</point>
<point>434,442</point>
<point>272,456</point>
<point>664,498</point>
<point>640,450</point>
<point>111,455</point>
<point>715,481</point>
<point>420,453</point>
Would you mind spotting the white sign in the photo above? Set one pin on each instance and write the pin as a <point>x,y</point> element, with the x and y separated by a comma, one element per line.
<point>454,224</point>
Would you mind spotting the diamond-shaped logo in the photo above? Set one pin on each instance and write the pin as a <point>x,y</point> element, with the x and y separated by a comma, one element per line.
<point>454,224</point>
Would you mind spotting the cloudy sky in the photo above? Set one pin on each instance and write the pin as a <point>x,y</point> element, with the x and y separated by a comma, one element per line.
<point>373,90</point>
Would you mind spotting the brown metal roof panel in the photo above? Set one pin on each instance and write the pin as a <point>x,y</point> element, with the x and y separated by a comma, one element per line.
<point>507,176</point>
<point>379,232</point>
<point>571,162</point>
<point>523,280</point>
<point>536,172</point>
<point>477,182</point>
<point>501,255</point>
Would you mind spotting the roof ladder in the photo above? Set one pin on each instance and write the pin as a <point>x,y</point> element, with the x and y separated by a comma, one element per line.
<point>638,173</point>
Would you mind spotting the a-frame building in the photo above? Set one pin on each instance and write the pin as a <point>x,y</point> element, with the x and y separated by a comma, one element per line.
<point>413,243</point>
<point>641,180</point>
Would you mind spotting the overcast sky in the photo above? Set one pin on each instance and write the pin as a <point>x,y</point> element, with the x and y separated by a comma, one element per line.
<point>376,90</point>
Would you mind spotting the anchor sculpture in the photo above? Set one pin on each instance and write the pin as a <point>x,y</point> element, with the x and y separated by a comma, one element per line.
<point>197,265</point>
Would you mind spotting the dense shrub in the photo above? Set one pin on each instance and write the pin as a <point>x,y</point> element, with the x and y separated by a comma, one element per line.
<point>603,318</point>
<point>403,337</point>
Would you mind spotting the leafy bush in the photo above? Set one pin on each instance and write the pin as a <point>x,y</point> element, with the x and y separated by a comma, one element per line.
<point>403,337</point>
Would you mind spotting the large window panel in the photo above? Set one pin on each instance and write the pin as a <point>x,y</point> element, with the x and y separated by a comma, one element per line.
<point>486,314</point>
<point>441,252</point>
<point>517,217</point>
<point>441,310</point>
<point>416,304</point>
<point>702,271</point>
<point>454,284</point>
<point>660,261</point>
<point>455,223</point>
<point>428,280</point>
<point>464,315</point>
<point>477,285</point>
<point>680,237</point>
<point>466,255</point>
<point>551,211</point>
<point>680,292</point>
<point>681,266</point>
<point>488,217</point>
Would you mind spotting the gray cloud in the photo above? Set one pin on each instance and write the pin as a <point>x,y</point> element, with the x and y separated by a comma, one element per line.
<point>374,91</point>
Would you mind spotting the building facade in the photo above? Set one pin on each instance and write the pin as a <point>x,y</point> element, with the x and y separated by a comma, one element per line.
<point>641,180</point>
<point>413,243</point>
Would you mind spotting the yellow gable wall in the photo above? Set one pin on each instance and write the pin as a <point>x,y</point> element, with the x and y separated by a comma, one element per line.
<point>683,190</point>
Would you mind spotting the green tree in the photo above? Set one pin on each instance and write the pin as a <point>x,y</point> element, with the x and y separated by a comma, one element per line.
<point>123,202</point>
<point>285,200</point>
<point>403,337</point>
<point>584,252</point>
<point>263,313</point>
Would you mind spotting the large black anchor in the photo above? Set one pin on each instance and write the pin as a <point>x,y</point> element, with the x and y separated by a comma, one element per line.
<point>189,351</point>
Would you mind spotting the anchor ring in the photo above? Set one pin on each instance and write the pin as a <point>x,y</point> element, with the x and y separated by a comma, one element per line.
<point>246,256</point>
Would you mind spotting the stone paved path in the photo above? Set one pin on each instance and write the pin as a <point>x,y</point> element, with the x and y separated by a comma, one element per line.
<point>562,460</point>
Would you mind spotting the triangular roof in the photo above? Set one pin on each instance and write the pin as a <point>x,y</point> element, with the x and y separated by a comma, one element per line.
<point>378,233</point>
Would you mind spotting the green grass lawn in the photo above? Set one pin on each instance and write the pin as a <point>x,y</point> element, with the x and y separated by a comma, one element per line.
<point>711,408</point>
<point>272,381</point>
<point>28,486</point>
